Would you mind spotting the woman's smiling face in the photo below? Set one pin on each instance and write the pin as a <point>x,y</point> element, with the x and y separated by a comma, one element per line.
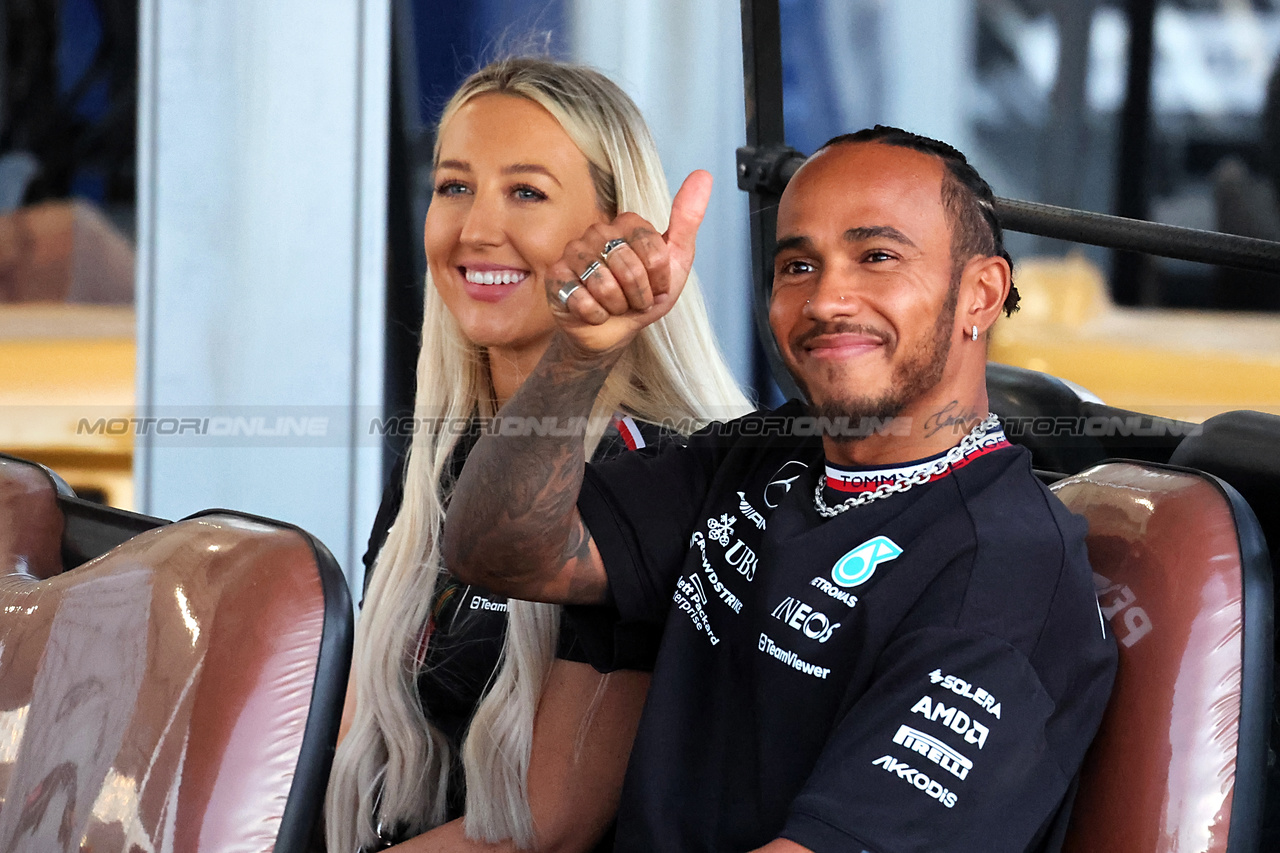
<point>511,190</point>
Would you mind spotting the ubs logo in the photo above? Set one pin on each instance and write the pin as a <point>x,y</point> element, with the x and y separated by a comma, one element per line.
<point>743,559</point>
<point>782,481</point>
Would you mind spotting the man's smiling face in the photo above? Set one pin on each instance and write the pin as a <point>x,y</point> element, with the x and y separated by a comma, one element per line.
<point>864,296</point>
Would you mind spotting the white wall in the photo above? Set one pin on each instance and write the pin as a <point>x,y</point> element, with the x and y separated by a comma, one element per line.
<point>262,204</point>
<point>928,51</point>
<point>682,64</point>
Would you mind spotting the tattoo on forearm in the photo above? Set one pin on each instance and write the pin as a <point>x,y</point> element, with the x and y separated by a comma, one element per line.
<point>541,475</point>
<point>578,545</point>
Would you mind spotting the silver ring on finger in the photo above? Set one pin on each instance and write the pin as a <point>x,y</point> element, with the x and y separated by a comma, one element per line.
<point>589,271</point>
<point>615,243</point>
<point>564,293</point>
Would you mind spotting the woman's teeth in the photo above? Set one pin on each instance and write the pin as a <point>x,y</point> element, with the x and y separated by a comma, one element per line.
<point>496,277</point>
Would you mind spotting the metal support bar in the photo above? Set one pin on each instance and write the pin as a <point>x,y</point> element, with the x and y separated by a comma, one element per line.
<point>1130,274</point>
<point>767,170</point>
<point>1136,235</point>
<point>402,320</point>
<point>762,86</point>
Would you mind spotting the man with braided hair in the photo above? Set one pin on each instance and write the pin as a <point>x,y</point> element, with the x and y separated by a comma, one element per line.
<point>879,631</point>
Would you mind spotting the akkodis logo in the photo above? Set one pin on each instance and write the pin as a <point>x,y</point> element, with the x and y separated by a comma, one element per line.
<point>857,567</point>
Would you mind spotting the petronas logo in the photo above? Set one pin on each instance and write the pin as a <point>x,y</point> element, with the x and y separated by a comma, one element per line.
<point>857,567</point>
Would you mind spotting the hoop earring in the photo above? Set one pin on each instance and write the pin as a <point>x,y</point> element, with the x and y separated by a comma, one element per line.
<point>974,334</point>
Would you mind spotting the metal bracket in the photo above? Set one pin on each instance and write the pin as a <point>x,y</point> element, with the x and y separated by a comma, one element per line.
<point>767,169</point>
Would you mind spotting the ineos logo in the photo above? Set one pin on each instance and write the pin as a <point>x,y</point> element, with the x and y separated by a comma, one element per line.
<point>812,623</point>
<point>781,483</point>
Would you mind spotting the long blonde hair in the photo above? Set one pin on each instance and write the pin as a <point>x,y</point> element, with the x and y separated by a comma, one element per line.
<point>672,372</point>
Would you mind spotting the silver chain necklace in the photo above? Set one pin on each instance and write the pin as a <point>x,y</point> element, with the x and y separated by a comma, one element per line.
<point>900,484</point>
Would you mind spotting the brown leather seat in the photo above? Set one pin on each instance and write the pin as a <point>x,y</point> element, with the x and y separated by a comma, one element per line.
<point>46,528</point>
<point>1240,447</point>
<point>30,520</point>
<point>1183,577</point>
<point>180,692</point>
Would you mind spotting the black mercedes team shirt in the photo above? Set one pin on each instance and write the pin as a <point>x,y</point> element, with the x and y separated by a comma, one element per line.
<point>460,649</point>
<point>923,672</point>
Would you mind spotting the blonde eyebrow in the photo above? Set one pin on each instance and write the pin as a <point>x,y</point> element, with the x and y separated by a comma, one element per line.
<point>529,168</point>
<point>513,169</point>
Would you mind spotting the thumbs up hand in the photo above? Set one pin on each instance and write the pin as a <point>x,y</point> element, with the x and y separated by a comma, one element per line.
<point>624,275</point>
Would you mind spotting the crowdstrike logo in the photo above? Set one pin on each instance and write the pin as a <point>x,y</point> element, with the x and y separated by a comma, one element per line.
<point>856,567</point>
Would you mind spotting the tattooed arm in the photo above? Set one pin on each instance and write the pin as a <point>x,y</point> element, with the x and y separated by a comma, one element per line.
<point>513,523</point>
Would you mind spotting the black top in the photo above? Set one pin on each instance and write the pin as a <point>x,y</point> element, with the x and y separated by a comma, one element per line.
<point>462,645</point>
<point>922,672</point>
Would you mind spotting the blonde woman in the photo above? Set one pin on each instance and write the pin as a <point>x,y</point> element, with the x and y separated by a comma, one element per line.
<point>446,678</point>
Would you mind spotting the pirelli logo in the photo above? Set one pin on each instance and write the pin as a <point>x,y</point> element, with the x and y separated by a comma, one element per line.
<point>934,750</point>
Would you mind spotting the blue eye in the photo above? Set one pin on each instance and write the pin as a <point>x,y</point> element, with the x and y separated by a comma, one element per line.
<point>450,188</point>
<point>526,193</point>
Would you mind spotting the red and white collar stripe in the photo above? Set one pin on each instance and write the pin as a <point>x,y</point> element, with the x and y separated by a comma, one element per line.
<point>843,480</point>
<point>629,430</point>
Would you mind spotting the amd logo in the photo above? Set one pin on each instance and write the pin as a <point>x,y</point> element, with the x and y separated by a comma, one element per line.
<point>953,718</point>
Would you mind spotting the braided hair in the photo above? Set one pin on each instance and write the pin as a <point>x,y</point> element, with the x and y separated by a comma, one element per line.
<point>967,198</point>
